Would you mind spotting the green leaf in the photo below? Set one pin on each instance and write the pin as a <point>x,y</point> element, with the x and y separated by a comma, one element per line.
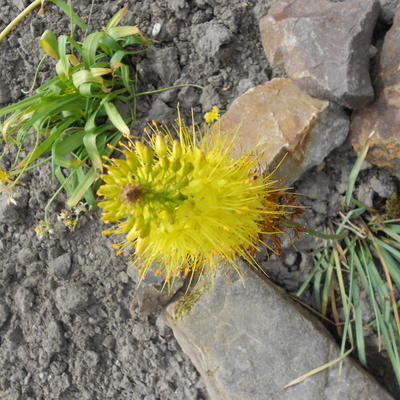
<point>354,174</point>
<point>89,48</point>
<point>84,185</point>
<point>119,32</point>
<point>89,141</point>
<point>116,18</point>
<point>115,117</point>
<point>48,43</point>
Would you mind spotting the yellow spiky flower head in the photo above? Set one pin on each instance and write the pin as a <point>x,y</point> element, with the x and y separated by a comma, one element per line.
<point>189,203</point>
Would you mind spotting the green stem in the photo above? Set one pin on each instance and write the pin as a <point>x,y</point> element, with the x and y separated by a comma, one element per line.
<point>315,233</point>
<point>19,18</point>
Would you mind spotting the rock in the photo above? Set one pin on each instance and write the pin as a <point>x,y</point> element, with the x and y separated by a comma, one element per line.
<point>323,46</point>
<point>159,111</point>
<point>243,337</point>
<point>388,9</point>
<point>164,63</point>
<point>9,212</point>
<point>54,338</point>
<point>26,256</point>
<point>5,95</point>
<point>4,313</point>
<point>188,97</point>
<point>12,205</point>
<point>280,119</point>
<point>382,118</point>
<point>244,85</point>
<point>71,299</point>
<point>60,266</point>
<point>24,299</point>
<point>209,37</point>
<point>209,98</point>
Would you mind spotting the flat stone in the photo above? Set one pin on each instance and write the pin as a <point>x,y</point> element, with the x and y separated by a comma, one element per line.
<point>248,339</point>
<point>383,116</point>
<point>279,119</point>
<point>323,46</point>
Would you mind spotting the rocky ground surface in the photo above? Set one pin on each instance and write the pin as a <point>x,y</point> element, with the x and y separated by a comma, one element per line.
<point>69,326</point>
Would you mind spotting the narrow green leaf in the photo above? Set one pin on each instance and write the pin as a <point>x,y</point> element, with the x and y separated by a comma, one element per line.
<point>358,324</point>
<point>115,117</point>
<point>354,174</point>
<point>119,32</point>
<point>89,141</point>
<point>116,18</point>
<point>89,48</point>
<point>82,188</point>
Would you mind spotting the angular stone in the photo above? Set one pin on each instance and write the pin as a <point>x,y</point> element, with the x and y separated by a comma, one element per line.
<point>280,120</point>
<point>383,116</point>
<point>249,339</point>
<point>323,46</point>
<point>71,299</point>
<point>210,36</point>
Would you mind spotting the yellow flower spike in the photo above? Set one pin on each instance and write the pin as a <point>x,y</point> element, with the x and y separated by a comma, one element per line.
<point>186,205</point>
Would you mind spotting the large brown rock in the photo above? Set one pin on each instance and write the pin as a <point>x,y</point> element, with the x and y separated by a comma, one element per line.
<point>383,116</point>
<point>323,46</point>
<point>279,119</point>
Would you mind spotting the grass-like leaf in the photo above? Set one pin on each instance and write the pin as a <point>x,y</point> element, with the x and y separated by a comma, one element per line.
<point>368,260</point>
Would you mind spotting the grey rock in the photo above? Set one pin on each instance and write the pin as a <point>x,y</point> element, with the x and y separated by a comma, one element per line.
<point>4,313</point>
<point>384,188</point>
<point>168,95</point>
<point>209,98</point>
<point>15,336</point>
<point>24,299</point>
<point>20,4</point>
<point>60,266</point>
<point>164,63</point>
<point>323,46</point>
<point>180,7</point>
<point>54,339</point>
<point>209,37</point>
<point>188,97</point>
<point>57,367</point>
<point>244,337</point>
<point>9,212</point>
<point>91,358</point>
<point>159,111</point>
<point>5,95</point>
<point>26,256</point>
<point>72,298</point>
<point>244,85</point>
<point>388,10</point>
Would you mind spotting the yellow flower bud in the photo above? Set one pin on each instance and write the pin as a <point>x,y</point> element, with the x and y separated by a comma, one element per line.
<point>160,146</point>
<point>176,150</point>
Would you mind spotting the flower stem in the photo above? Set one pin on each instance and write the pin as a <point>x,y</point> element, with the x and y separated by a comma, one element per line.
<point>19,18</point>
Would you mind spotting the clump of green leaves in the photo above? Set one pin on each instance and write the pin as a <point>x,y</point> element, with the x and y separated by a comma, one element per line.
<point>73,117</point>
<point>366,260</point>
